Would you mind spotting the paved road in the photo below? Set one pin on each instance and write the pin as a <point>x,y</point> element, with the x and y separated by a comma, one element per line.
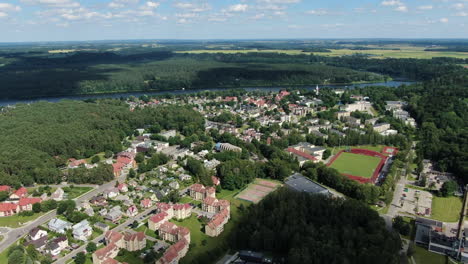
<point>14,234</point>
<point>140,217</point>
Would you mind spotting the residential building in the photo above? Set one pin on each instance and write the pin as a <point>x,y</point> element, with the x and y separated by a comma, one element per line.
<point>82,230</point>
<point>20,193</point>
<point>57,195</point>
<point>8,209</point>
<point>227,147</point>
<point>216,226</point>
<point>26,204</point>
<point>200,192</point>
<point>37,233</point>
<point>182,211</point>
<point>173,233</point>
<point>114,214</point>
<point>134,241</point>
<point>55,246</point>
<point>59,226</point>
<point>213,205</point>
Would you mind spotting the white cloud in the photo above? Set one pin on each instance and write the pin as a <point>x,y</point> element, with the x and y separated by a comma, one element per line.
<point>9,7</point>
<point>319,12</point>
<point>444,20</point>
<point>258,16</point>
<point>458,6</point>
<point>238,8</point>
<point>461,14</point>
<point>391,3</point>
<point>280,1</point>
<point>401,8</point>
<point>186,15</point>
<point>116,4</point>
<point>3,14</point>
<point>193,7</point>
<point>53,3</point>
<point>152,4</point>
<point>425,7</point>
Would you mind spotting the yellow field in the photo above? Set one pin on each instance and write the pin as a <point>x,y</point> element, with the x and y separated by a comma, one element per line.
<point>404,52</point>
<point>68,50</point>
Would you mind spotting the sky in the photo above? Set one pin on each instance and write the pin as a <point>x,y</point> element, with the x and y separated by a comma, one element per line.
<point>69,20</point>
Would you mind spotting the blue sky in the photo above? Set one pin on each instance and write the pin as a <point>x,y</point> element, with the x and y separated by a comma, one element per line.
<point>63,20</point>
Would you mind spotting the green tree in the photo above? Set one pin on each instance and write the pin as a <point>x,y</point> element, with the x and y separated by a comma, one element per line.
<point>448,188</point>
<point>80,258</point>
<point>95,159</point>
<point>16,257</point>
<point>91,247</point>
<point>37,208</point>
<point>108,154</point>
<point>326,154</point>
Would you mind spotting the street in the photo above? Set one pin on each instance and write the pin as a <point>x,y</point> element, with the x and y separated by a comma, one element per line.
<point>13,235</point>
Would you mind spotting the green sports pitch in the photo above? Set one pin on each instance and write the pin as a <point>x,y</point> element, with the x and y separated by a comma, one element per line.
<point>356,164</point>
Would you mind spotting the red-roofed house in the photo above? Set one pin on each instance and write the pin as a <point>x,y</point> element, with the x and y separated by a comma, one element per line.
<point>7,209</point>
<point>129,163</point>
<point>26,204</point>
<point>134,241</point>
<point>132,211</point>
<point>146,203</point>
<point>174,253</point>
<point>216,225</point>
<point>213,205</point>
<point>5,188</point>
<point>118,167</point>
<point>156,220</point>
<point>122,187</point>
<point>215,180</point>
<point>76,163</point>
<point>103,255</point>
<point>20,193</point>
<point>113,237</point>
<point>171,232</point>
<point>182,211</point>
<point>200,192</point>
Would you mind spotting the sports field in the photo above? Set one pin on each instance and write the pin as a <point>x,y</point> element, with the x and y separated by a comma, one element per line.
<point>356,164</point>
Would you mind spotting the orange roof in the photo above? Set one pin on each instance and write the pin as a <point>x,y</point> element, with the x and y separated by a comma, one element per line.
<point>6,207</point>
<point>140,236</point>
<point>26,201</point>
<point>124,160</point>
<point>4,188</point>
<point>158,217</point>
<point>112,236</point>
<point>181,206</point>
<point>21,192</point>
<point>210,200</point>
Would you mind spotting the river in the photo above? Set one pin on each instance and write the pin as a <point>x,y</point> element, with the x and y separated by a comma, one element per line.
<point>138,94</point>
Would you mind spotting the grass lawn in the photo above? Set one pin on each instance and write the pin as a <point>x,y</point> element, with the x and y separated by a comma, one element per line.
<point>77,191</point>
<point>197,235</point>
<point>446,209</point>
<point>356,164</point>
<point>15,221</point>
<point>129,257</point>
<point>422,256</point>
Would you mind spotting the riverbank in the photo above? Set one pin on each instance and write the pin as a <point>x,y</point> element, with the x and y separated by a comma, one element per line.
<point>116,95</point>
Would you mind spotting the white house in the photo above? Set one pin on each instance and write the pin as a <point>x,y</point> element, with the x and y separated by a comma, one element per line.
<point>59,226</point>
<point>82,230</point>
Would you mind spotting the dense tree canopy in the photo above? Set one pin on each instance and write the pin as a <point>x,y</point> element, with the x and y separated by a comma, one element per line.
<point>314,229</point>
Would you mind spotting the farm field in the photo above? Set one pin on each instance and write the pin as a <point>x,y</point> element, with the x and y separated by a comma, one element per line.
<point>356,164</point>
<point>390,52</point>
<point>446,209</point>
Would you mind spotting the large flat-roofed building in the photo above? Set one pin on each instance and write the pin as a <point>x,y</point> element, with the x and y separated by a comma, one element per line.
<point>300,183</point>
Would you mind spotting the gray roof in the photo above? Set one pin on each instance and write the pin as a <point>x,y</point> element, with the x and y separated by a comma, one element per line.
<point>300,183</point>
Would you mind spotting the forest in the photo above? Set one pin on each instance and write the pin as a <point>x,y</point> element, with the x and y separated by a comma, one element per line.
<point>38,139</point>
<point>304,228</point>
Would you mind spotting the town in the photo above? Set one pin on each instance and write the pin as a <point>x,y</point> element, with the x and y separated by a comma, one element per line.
<point>174,197</point>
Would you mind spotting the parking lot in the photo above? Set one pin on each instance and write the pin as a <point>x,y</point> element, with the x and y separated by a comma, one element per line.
<point>416,202</point>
